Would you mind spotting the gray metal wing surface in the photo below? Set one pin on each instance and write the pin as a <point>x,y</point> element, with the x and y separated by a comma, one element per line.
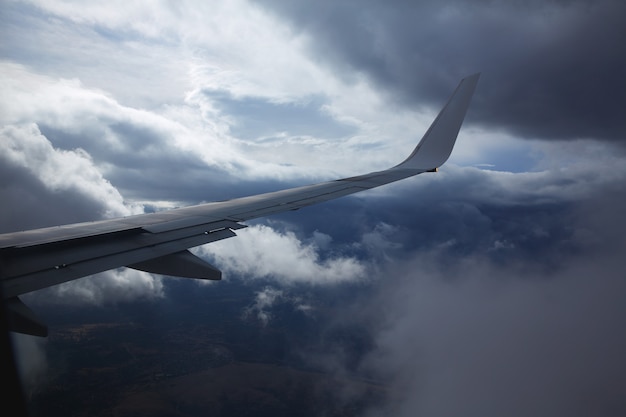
<point>158,242</point>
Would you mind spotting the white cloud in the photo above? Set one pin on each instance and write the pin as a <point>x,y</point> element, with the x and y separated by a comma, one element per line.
<point>195,48</point>
<point>228,46</point>
<point>263,301</point>
<point>269,297</point>
<point>61,170</point>
<point>262,252</point>
<point>91,119</point>
<point>110,287</point>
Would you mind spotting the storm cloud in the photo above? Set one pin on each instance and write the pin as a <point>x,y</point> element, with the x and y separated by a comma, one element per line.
<point>552,70</point>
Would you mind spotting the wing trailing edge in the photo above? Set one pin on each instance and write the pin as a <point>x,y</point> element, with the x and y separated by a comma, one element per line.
<point>158,242</point>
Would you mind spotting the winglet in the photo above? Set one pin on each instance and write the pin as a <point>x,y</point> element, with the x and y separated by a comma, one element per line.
<point>436,146</point>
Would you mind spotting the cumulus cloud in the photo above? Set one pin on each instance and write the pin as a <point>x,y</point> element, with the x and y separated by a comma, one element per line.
<point>36,174</point>
<point>263,252</point>
<point>120,138</point>
<point>110,287</point>
<point>263,300</point>
<point>266,299</point>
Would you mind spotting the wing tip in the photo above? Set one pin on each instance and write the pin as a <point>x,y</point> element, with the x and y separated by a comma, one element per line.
<point>436,145</point>
<point>473,76</point>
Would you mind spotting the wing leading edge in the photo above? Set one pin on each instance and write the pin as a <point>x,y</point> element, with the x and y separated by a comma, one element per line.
<point>158,242</point>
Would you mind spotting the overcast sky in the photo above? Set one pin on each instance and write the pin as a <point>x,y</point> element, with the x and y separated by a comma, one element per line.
<point>499,282</point>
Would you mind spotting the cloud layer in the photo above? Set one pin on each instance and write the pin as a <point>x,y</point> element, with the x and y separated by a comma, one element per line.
<point>490,340</point>
<point>551,69</point>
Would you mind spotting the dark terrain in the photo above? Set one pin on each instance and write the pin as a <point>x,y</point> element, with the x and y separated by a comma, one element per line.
<point>193,354</point>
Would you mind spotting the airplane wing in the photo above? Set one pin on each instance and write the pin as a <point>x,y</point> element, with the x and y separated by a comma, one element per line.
<point>158,242</point>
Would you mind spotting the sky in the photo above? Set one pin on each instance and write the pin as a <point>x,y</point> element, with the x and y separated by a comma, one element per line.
<point>497,284</point>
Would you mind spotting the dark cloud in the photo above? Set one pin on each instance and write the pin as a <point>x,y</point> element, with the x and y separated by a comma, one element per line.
<point>535,332</point>
<point>481,340</point>
<point>43,186</point>
<point>34,200</point>
<point>486,339</point>
<point>508,218</point>
<point>551,70</point>
<point>29,204</point>
<point>490,299</point>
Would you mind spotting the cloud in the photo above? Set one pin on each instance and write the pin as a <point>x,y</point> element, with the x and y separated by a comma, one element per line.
<point>466,210</point>
<point>466,332</point>
<point>264,253</point>
<point>268,298</point>
<point>45,185</point>
<point>263,301</point>
<point>480,339</point>
<point>551,69</point>
<point>105,288</point>
<point>223,110</point>
<point>134,147</point>
<point>493,293</point>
